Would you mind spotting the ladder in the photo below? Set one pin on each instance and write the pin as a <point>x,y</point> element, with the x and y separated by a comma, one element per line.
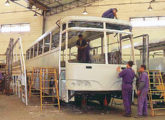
<point>156,91</point>
<point>49,92</point>
<point>18,71</point>
<point>34,82</point>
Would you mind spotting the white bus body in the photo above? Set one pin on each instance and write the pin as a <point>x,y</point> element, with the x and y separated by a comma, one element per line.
<point>53,49</point>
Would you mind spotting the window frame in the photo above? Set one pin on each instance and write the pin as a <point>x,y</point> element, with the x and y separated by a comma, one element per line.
<point>41,41</point>
<point>52,38</point>
<point>37,50</point>
<point>32,52</point>
<point>44,46</point>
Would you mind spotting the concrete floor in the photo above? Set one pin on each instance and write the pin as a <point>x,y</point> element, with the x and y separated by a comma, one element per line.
<point>11,108</point>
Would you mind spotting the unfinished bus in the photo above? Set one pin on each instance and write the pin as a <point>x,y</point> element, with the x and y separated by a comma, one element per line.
<point>111,45</point>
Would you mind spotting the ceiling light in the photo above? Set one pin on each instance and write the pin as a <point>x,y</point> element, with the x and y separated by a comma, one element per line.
<point>7,3</point>
<point>35,15</point>
<point>150,7</point>
<point>85,11</point>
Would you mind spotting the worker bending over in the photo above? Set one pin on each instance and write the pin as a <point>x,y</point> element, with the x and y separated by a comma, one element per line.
<point>127,76</point>
<point>143,86</point>
<point>111,13</point>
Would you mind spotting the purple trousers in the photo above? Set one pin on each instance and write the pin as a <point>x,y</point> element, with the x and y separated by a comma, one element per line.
<point>142,103</point>
<point>127,97</point>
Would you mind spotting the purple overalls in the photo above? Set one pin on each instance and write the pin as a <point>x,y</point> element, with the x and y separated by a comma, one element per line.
<point>108,14</point>
<point>142,98</point>
<point>127,76</point>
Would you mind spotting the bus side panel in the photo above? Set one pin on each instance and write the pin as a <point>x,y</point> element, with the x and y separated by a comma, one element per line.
<point>48,60</point>
<point>92,77</point>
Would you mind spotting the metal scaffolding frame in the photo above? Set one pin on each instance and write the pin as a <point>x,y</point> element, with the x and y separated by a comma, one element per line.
<point>16,70</point>
<point>43,82</point>
<point>156,91</point>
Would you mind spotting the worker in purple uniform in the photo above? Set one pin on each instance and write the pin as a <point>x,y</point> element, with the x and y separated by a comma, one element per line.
<point>143,86</point>
<point>87,50</point>
<point>111,13</point>
<point>1,76</point>
<point>127,76</point>
<point>81,45</point>
<point>1,81</point>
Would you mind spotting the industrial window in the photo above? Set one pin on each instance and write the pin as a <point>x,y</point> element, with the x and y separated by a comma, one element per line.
<point>27,54</point>
<point>40,47</point>
<point>9,28</point>
<point>47,43</point>
<point>35,50</point>
<point>158,21</point>
<point>31,53</point>
<point>55,40</point>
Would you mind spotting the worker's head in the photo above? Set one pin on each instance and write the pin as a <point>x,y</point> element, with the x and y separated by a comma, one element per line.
<point>142,68</point>
<point>80,37</point>
<point>115,10</point>
<point>129,64</point>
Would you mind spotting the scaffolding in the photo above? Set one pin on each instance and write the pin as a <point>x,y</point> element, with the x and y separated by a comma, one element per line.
<point>156,91</point>
<point>16,81</point>
<point>44,80</point>
<point>34,82</point>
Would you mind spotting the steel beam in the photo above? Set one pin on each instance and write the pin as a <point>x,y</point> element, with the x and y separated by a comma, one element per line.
<point>74,4</point>
<point>39,5</point>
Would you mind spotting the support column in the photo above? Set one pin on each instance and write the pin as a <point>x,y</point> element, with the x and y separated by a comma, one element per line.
<point>44,22</point>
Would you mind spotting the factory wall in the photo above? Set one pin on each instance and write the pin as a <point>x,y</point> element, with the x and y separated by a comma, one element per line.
<point>19,17</point>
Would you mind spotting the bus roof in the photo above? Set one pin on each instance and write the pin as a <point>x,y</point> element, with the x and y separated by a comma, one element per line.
<point>84,18</point>
<point>95,19</point>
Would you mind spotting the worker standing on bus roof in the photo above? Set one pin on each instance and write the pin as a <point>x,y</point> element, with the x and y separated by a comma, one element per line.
<point>127,76</point>
<point>143,87</point>
<point>111,13</point>
<point>81,44</point>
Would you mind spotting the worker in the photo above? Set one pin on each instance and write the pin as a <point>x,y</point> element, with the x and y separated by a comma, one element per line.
<point>81,44</point>
<point>1,82</point>
<point>143,86</point>
<point>87,50</point>
<point>127,76</point>
<point>1,77</point>
<point>111,13</point>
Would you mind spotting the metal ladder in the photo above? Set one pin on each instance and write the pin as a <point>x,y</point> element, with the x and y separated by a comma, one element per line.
<point>19,70</point>
<point>48,82</point>
<point>34,83</point>
<point>156,91</point>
